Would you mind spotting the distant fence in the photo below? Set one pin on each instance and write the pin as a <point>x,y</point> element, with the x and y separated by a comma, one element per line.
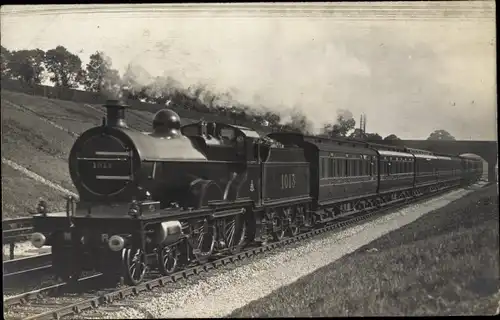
<point>80,96</point>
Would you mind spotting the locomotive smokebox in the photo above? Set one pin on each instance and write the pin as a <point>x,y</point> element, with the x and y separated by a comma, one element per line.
<point>115,113</point>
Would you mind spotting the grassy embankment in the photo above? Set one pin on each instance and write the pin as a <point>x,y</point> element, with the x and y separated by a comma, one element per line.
<point>445,263</point>
<point>43,146</point>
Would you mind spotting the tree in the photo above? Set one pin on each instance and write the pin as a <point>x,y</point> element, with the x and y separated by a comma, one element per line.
<point>391,137</point>
<point>441,135</point>
<point>298,122</point>
<point>357,134</point>
<point>26,65</point>
<point>272,119</point>
<point>373,137</point>
<point>5,61</point>
<point>99,76</point>
<point>66,67</point>
<point>345,123</point>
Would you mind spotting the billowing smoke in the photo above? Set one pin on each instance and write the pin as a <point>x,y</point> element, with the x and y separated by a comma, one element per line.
<point>317,67</point>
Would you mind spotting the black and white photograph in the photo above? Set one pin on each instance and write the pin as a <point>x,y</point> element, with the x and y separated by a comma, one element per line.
<point>249,160</point>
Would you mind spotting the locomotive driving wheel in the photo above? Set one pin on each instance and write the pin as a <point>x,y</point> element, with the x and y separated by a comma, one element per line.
<point>232,231</point>
<point>296,221</point>
<point>134,265</point>
<point>169,258</point>
<point>202,240</point>
<point>279,226</point>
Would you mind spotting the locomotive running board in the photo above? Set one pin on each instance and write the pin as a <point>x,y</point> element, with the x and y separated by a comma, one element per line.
<point>227,213</point>
<point>287,201</point>
<point>336,201</point>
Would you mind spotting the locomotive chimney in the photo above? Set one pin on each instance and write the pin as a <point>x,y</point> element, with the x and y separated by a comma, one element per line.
<point>115,113</point>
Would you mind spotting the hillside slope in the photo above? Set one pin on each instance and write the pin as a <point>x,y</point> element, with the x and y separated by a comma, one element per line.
<point>37,134</point>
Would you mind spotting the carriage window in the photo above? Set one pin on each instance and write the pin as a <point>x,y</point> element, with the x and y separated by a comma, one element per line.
<point>321,170</point>
<point>332,167</point>
<point>336,167</point>
<point>325,167</point>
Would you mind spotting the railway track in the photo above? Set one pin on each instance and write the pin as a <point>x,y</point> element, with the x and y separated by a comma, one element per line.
<point>18,270</point>
<point>64,300</point>
<point>15,231</point>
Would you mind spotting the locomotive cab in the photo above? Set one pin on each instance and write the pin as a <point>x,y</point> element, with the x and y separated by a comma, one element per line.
<point>223,142</point>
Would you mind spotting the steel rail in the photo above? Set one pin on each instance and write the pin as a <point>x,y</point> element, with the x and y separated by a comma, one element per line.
<point>18,270</point>
<point>17,265</point>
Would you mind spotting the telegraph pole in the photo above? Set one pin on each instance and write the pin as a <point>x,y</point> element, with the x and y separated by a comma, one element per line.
<point>362,124</point>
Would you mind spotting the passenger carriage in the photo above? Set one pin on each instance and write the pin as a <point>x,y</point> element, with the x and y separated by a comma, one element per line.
<point>342,173</point>
<point>425,171</point>
<point>396,171</point>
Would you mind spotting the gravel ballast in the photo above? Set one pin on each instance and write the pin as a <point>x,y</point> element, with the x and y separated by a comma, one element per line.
<point>229,289</point>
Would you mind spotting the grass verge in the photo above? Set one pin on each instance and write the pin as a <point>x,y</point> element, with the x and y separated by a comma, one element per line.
<point>445,263</point>
<point>21,194</point>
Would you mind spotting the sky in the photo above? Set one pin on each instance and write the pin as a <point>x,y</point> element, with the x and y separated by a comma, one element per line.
<point>411,68</point>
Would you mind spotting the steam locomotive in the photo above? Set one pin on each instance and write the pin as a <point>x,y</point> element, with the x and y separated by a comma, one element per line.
<point>182,195</point>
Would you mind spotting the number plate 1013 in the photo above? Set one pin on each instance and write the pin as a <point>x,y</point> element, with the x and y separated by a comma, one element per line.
<point>288,181</point>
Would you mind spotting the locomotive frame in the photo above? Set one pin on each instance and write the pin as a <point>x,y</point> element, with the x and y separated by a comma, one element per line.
<point>203,190</point>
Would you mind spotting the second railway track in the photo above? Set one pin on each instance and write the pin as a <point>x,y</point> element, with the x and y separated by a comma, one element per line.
<point>18,270</point>
<point>62,300</point>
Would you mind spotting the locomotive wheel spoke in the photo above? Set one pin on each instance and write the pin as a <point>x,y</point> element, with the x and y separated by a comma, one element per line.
<point>229,232</point>
<point>168,259</point>
<point>134,265</point>
<point>295,224</point>
<point>294,229</point>
<point>279,234</point>
<point>238,234</point>
<point>203,245</point>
